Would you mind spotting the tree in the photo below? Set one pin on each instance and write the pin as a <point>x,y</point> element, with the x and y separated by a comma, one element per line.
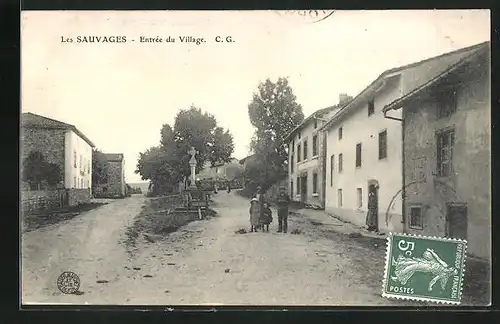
<point>274,113</point>
<point>37,170</point>
<point>99,168</point>
<point>167,164</point>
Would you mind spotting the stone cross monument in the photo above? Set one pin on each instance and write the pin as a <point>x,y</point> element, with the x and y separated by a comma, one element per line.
<point>192,164</point>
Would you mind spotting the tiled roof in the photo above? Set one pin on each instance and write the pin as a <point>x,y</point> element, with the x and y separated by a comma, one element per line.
<point>30,120</point>
<point>431,80</point>
<point>114,156</point>
<point>318,113</point>
<point>445,61</point>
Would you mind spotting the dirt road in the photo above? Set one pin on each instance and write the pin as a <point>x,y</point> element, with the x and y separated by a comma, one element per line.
<point>205,262</point>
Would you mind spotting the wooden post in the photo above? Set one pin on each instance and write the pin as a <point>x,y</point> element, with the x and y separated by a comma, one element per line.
<point>199,213</point>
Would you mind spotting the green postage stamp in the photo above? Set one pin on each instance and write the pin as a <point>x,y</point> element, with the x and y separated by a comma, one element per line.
<point>424,268</point>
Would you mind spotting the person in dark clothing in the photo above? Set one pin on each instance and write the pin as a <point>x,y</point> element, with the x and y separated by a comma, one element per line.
<point>283,202</point>
<point>267,217</point>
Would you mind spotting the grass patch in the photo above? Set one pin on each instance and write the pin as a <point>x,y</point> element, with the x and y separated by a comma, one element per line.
<point>46,218</point>
<point>159,218</point>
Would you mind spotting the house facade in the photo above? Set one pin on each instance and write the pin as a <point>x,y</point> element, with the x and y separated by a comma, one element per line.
<point>115,185</point>
<point>365,146</point>
<point>447,153</point>
<point>219,170</point>
<point>64,145</point>
<point>306,158</point>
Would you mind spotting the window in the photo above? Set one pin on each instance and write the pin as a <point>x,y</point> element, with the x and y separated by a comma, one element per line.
<point>293,145</point>
<point>371,107</point>
<point>315,145</point>
<point>305,149</point>
<point>445,143</point>
<point>359,194</point>
<point>416,220</point>
<point>341,162</point>
<point>291,164</point>
<point>315,183</point>
<point>339,197</point>
<point>74,159</point>
<point>291,188</point>
<point>382,145</point>
<point>298,185</point>
<point>315,123</point>
<point>341,130</point>
<point>358,155</point>
<point>447,102</point>
<point>74,181</point>
<point>298,153</point>
<point>332,169</point>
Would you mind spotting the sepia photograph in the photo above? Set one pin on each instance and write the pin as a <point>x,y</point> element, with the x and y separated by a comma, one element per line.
<point>255,158</point>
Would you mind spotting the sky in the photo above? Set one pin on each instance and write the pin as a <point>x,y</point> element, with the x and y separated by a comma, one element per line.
<point>120,94</point>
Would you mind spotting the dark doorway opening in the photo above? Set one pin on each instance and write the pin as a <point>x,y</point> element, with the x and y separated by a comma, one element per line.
<point>372,217</point>
<point>303,188</point>
<point>456,221</point>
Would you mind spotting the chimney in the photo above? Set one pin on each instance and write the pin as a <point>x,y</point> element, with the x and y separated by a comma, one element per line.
<point>344,98</point>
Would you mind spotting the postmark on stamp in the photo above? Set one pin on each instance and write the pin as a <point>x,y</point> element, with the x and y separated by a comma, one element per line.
<point>424,268</point>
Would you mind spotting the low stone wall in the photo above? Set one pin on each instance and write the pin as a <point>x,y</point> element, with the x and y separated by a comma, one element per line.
<point>33,201</point>
<point>78,196</point>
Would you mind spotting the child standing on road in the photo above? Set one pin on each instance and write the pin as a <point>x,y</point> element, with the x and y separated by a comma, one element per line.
<point>266,218</point>
<point>254,214</point>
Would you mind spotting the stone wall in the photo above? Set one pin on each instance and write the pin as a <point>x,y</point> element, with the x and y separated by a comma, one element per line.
<point>78,196</point>
<point>49,142</point>
<point>470,182</point>
<point>113,188</point>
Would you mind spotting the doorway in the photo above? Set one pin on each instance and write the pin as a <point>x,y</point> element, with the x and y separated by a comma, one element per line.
<point>372,216</point>
<point>303,188</point>
<point>456,221</point>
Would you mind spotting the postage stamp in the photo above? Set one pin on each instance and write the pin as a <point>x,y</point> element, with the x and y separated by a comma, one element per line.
<point>424,268</point>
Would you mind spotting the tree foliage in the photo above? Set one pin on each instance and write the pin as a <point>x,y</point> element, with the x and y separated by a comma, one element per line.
<point>274,112</point>
<point>100,167</point>
<point>36,170</point>
<point>168,163</point>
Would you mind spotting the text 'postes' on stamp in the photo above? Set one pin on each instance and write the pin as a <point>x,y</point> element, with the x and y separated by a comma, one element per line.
<point>424,268</point>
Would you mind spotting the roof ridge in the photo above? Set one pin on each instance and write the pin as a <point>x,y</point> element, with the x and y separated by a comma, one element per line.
<point>440,56</point>
<point>51,119</point>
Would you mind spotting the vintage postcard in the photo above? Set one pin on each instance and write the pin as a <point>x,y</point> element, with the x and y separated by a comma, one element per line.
<point>256,158</point>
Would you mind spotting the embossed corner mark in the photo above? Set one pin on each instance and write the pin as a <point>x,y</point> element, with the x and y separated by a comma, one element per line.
<point>424,268</point>
<point>305,16</point>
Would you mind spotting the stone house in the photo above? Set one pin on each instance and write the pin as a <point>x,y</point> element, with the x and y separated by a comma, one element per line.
<point>365,146</point>
<point>306,157</point>
<point>115,185</point>
<point>447,152</point>
<point>64,145</point>
<point>219,170</point>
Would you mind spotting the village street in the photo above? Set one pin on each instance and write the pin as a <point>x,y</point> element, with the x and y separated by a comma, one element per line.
<point>204,262</point>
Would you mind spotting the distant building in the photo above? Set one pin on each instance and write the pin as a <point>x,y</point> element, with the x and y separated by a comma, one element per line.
<point>61,144</point>
<point>115,185</point>
<point>306,157</point>
<point>364,146</point>
<point>219,170</point>
<point>447,151</point>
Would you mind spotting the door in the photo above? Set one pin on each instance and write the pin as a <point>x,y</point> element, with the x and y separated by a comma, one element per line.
<point>303,188</point>
<point>456,221</point>
<point>373,206</point>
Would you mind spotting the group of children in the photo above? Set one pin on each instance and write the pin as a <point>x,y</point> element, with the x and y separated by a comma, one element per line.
<point>260,215</point>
